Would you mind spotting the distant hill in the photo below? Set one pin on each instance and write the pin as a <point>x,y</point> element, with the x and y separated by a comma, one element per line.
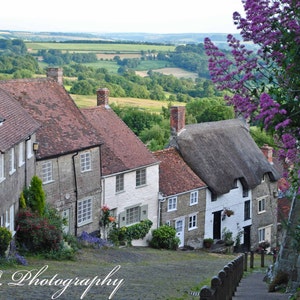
<point>175,39</point>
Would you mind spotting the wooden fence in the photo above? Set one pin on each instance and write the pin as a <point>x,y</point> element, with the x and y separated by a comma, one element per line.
<point>224,285</point>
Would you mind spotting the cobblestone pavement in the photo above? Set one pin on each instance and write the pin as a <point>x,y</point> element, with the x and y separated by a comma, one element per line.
<point>120,274</point>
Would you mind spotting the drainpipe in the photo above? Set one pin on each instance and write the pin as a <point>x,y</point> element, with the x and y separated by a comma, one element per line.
<point>161,199</point>
<point>26,164</point>
<point>76,193</point>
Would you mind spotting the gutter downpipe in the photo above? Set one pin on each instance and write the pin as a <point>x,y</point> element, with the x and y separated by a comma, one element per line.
<point>76,193</point>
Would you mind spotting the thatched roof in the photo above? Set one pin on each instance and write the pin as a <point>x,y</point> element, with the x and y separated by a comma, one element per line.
<point>220,152</point>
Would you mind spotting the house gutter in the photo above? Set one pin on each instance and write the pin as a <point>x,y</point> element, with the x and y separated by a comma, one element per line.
<point>76,193</point>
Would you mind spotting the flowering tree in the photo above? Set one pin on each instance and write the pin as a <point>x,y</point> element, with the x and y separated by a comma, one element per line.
<point>105,219</point>
<point>264,84</point>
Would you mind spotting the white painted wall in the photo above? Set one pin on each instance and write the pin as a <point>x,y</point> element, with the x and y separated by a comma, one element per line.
<point>132,196</point>
<point>233,200</point>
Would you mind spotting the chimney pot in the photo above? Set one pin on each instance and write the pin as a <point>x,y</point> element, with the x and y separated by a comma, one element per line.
<point>56,74</point>
<point>103,97</point>
<point>268,152</point>
<point>177,119</point>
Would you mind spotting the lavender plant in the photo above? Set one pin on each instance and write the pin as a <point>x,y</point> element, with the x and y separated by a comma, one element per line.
<point>264,84</point>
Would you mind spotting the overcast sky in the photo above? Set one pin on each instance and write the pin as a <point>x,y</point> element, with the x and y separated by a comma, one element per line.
<point>154,16</point>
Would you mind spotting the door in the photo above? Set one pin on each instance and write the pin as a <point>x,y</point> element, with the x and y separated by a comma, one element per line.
<point>66,216</point>
<point>217,225</point>
<point>247,239</point>
<point>179,226</point>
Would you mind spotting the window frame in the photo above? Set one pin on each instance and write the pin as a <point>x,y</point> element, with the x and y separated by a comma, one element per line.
<point>247,210</point>
<point>29,148</point>
<point>192,222</point>
<point>85,162</point>
<point>172,206</point>
<point>133,215</point>
<point>81,218</point>
<point>47,172</point>
<point>194,196</point>
<point>261,205</point>
<point>2,167</point>
<point>119,183</point>
<point>140,177</point>
<point>11,161</point>
<point>21,154</point>
<point>261,233</point>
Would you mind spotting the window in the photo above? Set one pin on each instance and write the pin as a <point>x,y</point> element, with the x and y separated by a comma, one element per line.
<point>261,205</point>
<point>1,167</point>
<point>47,174</point>
<point>235,184</point>
<point>247,210</point>
<point>29,149</point>
<point>140,177</point>
<point>213,197</point>
<point>85,210</point>
<point>194,198</point>
<point>120,183</point>
<point>172,203</point>
<point>261,234</point>
<point>11,158</point>
<point>21,154</point>
<point>85,162</point>
<point>192,222</point>
<point>245,192</point>
<point>133,215</point>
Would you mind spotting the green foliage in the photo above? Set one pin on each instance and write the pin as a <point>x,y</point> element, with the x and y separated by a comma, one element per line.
<point>117,235</point>
<point>37,233</point>
<point>164,237</point>
<point>138,231</point>
<point>5,239</point>
<point>35,195</point>
<point>261,137</point>
<point>22,201</point>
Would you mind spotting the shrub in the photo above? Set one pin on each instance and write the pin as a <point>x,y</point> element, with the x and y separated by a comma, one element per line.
<point>5,239</point>
<point>35,233</point>
<point>138,231</point>
<point>35,195</point>
<point>164,237</point>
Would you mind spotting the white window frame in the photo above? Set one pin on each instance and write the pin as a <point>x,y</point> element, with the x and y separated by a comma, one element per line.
<point>192,224</point>
<point>172,203</point>
<point>133,215</point>
<point>29,149</point>
<point>119,183</point>
<point>2,177</point>
<point>85,161</point>
<point>11,159</point>
<point>21,154</point>
<point>261,234</point>
<point>140,177</point>
<point>47,171</point>
<point>194,197</point>
<point>85,211</point>
<point>261,205</point>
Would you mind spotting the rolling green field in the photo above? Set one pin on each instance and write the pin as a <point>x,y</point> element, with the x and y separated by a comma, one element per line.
<point>98,47</point>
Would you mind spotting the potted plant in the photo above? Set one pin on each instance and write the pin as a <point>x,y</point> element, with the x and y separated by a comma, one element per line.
<point>227,237</point>
<point>228,212</point>
<point>208,242</point>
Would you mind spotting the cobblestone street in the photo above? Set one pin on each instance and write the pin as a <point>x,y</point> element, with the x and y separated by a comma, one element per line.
<point>133,273</point>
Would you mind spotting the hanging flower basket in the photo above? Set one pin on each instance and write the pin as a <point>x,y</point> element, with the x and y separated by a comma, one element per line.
<point>228,212</point>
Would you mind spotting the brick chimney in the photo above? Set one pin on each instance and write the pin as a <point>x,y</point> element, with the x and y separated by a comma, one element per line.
<point>177,119</point>
<point>103,97</point>
<point>268,152</point>
<point>56,74</point>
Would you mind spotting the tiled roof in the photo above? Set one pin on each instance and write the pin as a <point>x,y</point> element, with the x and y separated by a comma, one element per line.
<point>64,128</point>
<point>175,176</point>
<point>17,124</point>
<point>122,149</point>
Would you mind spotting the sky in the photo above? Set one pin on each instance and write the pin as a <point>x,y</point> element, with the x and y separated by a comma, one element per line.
<point>154,16</point>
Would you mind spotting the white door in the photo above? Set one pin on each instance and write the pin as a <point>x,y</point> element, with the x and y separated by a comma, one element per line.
<point>66,216</point>
<point>179,226</point>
